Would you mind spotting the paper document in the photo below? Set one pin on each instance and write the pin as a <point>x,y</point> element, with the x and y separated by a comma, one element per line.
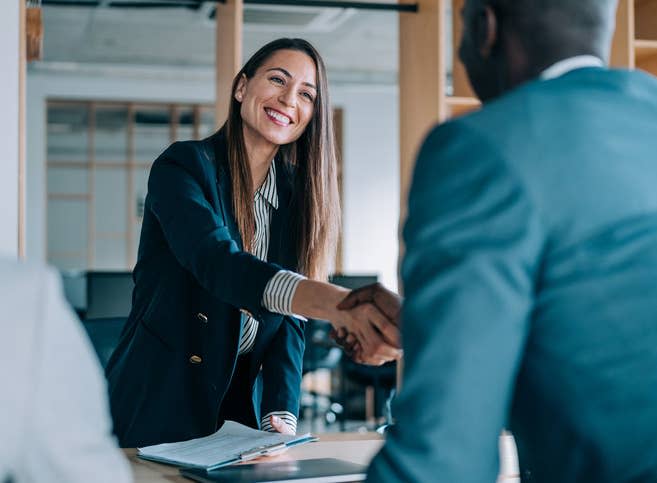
<point>233,443</point>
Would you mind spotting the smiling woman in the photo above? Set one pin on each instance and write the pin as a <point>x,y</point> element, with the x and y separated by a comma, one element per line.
<point>238,233</point>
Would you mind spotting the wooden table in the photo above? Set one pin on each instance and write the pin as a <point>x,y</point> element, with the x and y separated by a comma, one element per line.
<point>354,447</point>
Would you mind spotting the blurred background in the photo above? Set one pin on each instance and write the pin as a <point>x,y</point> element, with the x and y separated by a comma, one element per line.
<point>118,82</point>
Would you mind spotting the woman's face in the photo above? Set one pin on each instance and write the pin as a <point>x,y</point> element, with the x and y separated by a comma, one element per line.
<point>278,101</point>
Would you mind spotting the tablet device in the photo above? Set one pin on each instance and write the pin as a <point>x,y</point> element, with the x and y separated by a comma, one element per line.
<point>321,470</point>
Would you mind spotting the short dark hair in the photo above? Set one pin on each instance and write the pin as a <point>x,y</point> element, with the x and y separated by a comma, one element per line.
<point>557,28</point>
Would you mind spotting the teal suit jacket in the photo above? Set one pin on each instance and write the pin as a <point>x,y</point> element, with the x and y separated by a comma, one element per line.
<point>531,289</point>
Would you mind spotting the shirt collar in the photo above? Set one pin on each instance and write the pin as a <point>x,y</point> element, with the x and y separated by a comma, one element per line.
<point>268,188</point>
<point>571,63</point>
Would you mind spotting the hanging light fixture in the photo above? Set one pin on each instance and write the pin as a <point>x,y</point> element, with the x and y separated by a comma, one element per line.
<point>34,30</point>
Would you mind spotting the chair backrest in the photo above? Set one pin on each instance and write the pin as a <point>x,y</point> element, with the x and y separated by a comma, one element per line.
<point>104,334</point>
<point>74,283</point>
<point>109,294</point>
<point>353,281</point>
<point>321,352</point>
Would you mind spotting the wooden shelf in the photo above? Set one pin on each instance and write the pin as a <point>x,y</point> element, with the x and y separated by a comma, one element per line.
<point>635,39</point>
<point>645,47</point>
<point>458,106</point>
<point>646,55</point>
<point>645,15</point>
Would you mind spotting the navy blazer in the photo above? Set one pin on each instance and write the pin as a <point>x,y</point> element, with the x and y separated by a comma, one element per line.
<point>173,365</point>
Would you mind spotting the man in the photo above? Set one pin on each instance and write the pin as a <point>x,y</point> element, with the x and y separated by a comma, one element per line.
<point>530,272</point>
<point>54,421</point>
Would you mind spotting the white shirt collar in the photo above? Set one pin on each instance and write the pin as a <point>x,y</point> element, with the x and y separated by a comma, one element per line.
<point>572,63</point>
<point>267,189</point>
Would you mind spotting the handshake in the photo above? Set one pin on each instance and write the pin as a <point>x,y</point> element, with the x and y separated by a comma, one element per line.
<point>368,328</point>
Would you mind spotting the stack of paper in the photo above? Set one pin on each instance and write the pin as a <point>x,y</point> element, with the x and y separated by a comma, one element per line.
<point>233,443</point>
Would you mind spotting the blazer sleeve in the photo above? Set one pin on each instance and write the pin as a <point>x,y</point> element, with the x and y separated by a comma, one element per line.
<point>473,242</point>
<point>281,368</point>
<point>197,234</point>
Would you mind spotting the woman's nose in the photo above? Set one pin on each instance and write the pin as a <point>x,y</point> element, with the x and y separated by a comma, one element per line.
<point>288,98</point>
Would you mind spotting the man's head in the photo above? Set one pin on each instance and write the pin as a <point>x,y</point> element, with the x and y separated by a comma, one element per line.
<point>507,42</point>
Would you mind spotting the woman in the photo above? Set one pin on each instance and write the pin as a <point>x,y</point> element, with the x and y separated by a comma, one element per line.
<point>232,226</point>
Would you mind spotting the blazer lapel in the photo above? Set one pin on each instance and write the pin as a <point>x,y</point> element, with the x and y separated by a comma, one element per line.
<point>280,249</point>
<point>279,239</point>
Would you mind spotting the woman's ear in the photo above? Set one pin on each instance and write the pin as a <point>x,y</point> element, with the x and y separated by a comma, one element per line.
<point>241,88</point>
<point>487,26</point>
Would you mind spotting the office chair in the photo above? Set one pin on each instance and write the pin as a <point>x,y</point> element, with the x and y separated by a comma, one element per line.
<point>109,294</point>
<point>104,334</point>
<point>379,382</point>
<point>321,353</point>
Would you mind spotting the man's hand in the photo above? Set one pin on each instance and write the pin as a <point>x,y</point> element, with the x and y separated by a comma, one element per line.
<point>377,333</point>
<point>388,302</point>
<point>383,308</point>
<point>345,340</point>
<point>378,338</point>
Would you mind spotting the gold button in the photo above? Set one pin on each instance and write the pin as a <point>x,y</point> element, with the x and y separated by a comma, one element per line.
<point>202,317</point>
<point>195,359</point>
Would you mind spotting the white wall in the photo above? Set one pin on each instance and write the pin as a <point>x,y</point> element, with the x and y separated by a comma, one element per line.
<point>371,179</point>
<point>371,151</point>
<point>9,100</point>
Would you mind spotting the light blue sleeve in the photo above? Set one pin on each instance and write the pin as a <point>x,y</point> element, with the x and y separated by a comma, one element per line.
<point>473,243</point>
<point>70,430</point>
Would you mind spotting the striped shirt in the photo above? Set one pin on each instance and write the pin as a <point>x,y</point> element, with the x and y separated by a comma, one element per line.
<point>280,289</point>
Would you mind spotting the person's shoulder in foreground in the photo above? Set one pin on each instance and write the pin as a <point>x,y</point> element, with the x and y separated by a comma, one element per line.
<point>55,418</point>
<point>530,262</point>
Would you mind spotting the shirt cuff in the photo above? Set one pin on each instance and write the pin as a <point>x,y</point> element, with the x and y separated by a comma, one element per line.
<point>286,416</point>
<point>280,290</point>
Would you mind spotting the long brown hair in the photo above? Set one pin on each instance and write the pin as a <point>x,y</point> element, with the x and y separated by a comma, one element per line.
<point>315,203</point>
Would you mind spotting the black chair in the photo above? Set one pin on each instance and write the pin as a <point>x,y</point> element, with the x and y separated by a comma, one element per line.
<point>109,294</point>
<point>104,334</point>
<point>74,283</point>
<point>321,353</point>
<point>379,382</point>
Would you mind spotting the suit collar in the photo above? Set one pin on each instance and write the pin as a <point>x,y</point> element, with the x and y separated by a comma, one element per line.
<point>571,63</point>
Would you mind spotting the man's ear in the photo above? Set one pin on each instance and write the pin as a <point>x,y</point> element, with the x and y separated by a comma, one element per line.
<point>241,88</point>
<point>487,33</point>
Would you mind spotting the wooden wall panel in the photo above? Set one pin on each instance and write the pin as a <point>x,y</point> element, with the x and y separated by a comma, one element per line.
<point>228,53</point>
<point>622,51</point>
<point>22,67</point>
<point>645,14</point>
<point>460,81</point>
<point>422,79</point>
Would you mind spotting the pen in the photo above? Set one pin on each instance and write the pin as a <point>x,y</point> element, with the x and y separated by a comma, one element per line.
<point>263,450</point>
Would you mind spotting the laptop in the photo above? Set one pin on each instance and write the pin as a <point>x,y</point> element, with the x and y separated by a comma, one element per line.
<point>321,470</point>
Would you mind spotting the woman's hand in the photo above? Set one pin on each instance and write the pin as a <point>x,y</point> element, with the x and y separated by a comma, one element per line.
<point>281,426</point>
<point>377,335</point>
<point>375,338</point>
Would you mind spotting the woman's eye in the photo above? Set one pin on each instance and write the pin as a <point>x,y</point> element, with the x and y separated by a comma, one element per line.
<point>277,80</point>
<point>308,96</point>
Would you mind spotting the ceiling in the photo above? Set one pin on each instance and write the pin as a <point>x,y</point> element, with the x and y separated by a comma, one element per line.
<point>357,45</point>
